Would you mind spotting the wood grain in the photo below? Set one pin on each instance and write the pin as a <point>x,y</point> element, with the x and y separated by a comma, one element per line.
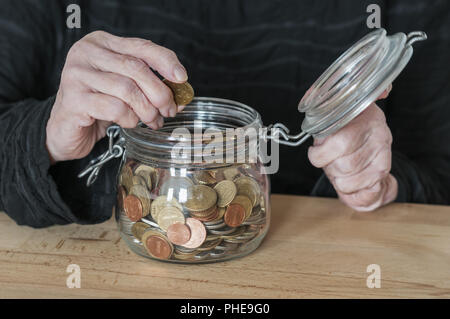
<point>315,248</point>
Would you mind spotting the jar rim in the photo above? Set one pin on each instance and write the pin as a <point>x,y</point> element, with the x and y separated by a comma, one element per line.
<point>208,112</point>
<point>141,132</point>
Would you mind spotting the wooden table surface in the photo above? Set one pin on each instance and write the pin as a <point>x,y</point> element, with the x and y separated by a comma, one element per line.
<point>315,248</point>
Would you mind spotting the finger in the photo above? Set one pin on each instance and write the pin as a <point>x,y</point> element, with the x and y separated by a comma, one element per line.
<point>121,87</point>
<point>364,200</point>
<point>359,160</point>
<point>376,171</point>
<point>104,107</point>
<point>157,123</point>
<point>391,190</point>
<point>161,59</point>
<point>348,139</point>
<point>385,93</point>
<point>344,142</point>
<point>353,163</point>
<point>382,193</point>
<point>154,89</point>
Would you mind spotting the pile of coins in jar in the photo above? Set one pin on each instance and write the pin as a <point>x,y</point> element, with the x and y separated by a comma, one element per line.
<point>203,215</point>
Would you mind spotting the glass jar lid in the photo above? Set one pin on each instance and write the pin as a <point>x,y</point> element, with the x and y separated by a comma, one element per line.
<point>355,80</point>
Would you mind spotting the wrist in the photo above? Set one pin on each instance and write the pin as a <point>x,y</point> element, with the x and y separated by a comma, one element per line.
<point>50,145</point>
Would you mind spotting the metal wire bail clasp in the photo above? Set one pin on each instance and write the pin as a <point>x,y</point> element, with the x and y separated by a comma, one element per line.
<point>275,131</point>
<point>115,150</point>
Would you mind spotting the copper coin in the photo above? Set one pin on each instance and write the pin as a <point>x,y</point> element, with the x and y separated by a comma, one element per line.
<point>234,215</point>
<point>138,229</point>
<point>212,216</point>
<point>133,208</point>
<point>121,194</point>
<point>198,233</point>
<point>204,213</point>
<point>178,233</point>
<point>183,93</point>
<point>158,247</point>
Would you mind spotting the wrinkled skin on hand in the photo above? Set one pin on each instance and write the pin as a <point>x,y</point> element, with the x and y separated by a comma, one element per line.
<point>108,79</point>
<point>357,160</point>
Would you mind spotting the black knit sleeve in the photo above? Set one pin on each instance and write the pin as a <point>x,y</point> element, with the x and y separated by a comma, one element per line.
<point>31,191</point>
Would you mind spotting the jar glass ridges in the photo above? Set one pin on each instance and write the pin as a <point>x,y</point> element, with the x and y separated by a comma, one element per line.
<point>198,211</point>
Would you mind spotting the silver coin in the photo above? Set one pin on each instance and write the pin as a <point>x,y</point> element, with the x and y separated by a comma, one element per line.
<point>225,231</point>
<point>217,253</point>
<point>227,246</point>
<point>217,226</point>
<point>184,249</point>
<point>202,255</point>
<point>215,222</point>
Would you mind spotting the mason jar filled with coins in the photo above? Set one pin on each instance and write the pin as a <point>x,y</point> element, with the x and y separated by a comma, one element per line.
<point>182,200</point>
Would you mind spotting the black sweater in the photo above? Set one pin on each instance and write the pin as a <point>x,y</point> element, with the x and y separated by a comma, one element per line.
<point>262,53</point>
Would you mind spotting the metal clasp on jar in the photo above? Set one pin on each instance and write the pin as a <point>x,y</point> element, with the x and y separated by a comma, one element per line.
<point>280,134</point>
<point>115,150</point>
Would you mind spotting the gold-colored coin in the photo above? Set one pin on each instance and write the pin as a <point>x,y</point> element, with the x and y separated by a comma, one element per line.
<point>222,211</point>
<point>230,173</point>
<point>184,256</point>
<point>126,177</point>
<point>244,202</point>
<point>143,194</point>
<point>204,178</point>
<point>160,202</point>
<point>183,93</point>
<point>168,216</point>
<point>121,195</point>
<point>138,229</point>
<point>216,174</point>
<point>200,197</point>
<point>211,237</point>
<point>207,215</point>
<point>208,245</point>
<point>139,180</point>
<point>226,190</point>
<point>248,187</point>
<point>204,213</point>
<point>147,177</point>
<point>154,176</point>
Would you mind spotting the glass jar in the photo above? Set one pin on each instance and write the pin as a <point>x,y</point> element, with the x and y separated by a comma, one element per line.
<point>186,208</point>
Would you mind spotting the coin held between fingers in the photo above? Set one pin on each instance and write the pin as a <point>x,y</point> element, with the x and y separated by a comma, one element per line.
<point>183,93</point>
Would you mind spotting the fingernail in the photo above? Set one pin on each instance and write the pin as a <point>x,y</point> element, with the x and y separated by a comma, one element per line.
<point>173,111</point>
<point>180,108</point>
<point>160,122</point>
<point>180,73</point>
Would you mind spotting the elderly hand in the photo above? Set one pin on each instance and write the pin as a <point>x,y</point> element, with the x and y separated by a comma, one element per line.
<point>108,79</point>
<point>357,160</point>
